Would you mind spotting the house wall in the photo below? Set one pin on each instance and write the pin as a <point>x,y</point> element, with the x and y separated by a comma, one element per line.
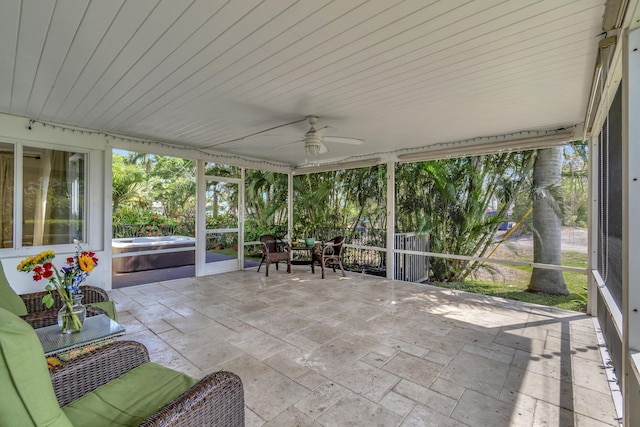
<point>630,224</point>
<point>16,129</point>
<point>618,307</point>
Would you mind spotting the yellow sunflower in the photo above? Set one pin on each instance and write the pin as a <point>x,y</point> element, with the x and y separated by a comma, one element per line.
<point>85,263</point>
<point>26,264</point>
<point>44,257</point>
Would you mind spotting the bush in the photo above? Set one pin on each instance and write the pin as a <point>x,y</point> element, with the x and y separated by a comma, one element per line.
<point>136,222</point>
<point>253,230</point>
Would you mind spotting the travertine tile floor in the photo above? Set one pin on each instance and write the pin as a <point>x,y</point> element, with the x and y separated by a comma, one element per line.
<point>365,351</point>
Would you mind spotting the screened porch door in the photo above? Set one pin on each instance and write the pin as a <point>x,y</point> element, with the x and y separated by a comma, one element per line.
<point>222,225</point>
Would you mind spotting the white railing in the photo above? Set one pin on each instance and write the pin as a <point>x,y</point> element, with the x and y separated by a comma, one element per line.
<point>411,267</point>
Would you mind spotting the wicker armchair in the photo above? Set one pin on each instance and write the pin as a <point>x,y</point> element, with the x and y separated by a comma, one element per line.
<point>40,316</point>
<point>215,400</point>
<point>115,384</point>
<point>329,256</point>
<point>274,250</point>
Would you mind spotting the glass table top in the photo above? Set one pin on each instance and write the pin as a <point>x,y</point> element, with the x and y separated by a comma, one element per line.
<point>95,328</point>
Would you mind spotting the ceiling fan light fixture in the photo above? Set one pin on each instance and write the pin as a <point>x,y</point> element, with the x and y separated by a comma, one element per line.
<point>312,134</point>
<point>314,140</point>
<point>313,147</point>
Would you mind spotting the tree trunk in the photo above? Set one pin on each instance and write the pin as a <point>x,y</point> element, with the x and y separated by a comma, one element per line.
<point>547,223</point>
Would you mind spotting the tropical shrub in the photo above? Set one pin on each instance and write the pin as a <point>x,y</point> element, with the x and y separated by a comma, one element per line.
<point>449,200</point>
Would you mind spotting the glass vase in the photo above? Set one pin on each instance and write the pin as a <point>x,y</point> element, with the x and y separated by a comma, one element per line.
<point>71,316</point>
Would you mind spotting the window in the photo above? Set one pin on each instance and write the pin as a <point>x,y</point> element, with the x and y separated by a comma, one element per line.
<point>52,196</point>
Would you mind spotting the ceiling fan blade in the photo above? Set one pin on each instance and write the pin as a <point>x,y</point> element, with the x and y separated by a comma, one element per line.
<point>344,140</point>
<point>278,147</point>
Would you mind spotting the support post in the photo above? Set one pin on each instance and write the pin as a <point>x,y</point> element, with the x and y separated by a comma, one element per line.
<point>631,226</point>
<point>290,207</point>
<point>201,228</point>
<point>241,217</point>
<point>592,259</point>
<point>391,219</point>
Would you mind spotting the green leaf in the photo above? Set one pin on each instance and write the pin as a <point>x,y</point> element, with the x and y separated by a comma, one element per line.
<point>47,300</point>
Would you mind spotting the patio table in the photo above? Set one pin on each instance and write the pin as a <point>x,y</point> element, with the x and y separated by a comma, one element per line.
<point>302,258</point>
<point>95,329</point>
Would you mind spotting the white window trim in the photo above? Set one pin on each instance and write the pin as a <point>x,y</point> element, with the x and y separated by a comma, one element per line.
<point>19,143</point>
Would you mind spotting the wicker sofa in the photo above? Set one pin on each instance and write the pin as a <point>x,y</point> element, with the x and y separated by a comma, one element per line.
<point>114,385</point>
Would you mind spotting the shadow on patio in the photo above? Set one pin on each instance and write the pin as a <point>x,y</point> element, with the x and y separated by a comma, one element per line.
<point>362,350</point>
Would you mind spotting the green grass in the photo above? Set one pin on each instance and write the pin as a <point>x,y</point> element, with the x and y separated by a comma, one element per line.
<point>225,251</point>
<point>516,289</point>
<point>234,253</point>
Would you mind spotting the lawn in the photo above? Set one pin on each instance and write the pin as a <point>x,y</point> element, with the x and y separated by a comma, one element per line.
<point>518,278</point>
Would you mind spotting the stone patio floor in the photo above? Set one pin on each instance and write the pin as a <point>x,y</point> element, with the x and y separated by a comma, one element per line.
<point>365,351</point>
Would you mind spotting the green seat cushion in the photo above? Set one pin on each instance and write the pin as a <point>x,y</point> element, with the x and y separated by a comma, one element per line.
<point>129,399</point>
<point>9,300</point>
<point>27,397</point>
<point>107,306</point>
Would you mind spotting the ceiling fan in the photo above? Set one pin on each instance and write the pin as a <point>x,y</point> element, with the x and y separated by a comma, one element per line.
<point>314,140</point>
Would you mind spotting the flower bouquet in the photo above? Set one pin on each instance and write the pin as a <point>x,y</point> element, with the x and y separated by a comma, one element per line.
<point>66,281</point>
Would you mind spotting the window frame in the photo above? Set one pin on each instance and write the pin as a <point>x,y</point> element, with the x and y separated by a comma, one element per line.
<point>18,193</point>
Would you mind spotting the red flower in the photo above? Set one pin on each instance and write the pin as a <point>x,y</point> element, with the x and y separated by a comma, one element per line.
<point>38,269</point>
<point>47,274</point>
<point>37,277</point>
<point>70,260</point>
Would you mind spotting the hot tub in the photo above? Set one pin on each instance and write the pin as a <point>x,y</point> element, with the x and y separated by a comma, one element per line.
<point>151,261</point>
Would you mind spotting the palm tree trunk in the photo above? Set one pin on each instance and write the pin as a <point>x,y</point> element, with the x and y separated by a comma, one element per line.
<point>547,225</point>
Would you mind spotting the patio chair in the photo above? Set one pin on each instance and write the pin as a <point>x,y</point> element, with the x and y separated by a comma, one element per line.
<point>114,385</point>
<point>274,250</point>
<point>30,307</point>
<point>330,255</point>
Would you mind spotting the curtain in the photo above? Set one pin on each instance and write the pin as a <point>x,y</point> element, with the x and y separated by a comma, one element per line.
<point>6,196</point>
<point>51,198</point>
<point>57,232</point>
<point>41,198</point>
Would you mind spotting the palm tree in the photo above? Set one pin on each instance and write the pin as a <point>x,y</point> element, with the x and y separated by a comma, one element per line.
<point>547,222</point>
<point>448,200</point>
<point>127,180</point>
<point>145,159</point>
<point>266,200</point>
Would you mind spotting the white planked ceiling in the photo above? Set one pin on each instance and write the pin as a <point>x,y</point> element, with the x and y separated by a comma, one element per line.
<point>398,74</point>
